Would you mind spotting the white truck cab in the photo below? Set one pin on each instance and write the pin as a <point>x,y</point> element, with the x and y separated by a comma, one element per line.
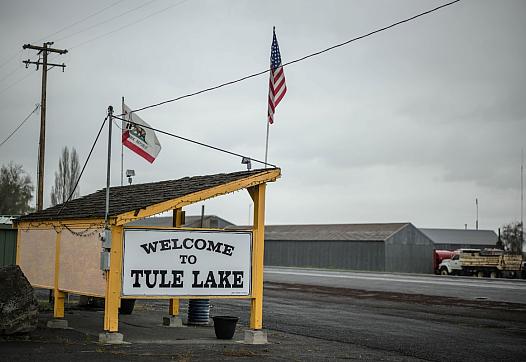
<point>450,266</point>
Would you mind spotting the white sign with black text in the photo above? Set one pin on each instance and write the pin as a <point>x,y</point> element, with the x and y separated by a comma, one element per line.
<point>186,263</point>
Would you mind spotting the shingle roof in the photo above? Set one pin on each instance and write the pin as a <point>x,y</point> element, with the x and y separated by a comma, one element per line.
<point>348,232</point>
<point>461,236</point>
<point>134,197</point>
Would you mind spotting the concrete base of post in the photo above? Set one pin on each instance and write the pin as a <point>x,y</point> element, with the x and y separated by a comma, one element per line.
<point>172,321</point>
<point>57,323</point>
<point>253,336</point>
<point>111,338</point>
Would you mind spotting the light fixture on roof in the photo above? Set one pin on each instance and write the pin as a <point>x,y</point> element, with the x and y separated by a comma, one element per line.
<point>129,175</point>
<point>246,161</point>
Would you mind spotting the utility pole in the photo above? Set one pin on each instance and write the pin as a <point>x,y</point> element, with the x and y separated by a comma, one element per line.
<point>44,50</point>
<point>522,199</point>
<point>477,222</point>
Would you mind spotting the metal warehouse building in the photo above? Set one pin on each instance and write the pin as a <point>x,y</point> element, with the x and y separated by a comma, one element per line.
<point>396,247</point>
<point>452,239</point>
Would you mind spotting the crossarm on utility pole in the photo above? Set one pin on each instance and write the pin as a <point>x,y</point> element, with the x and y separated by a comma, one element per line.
<point>45,48</point>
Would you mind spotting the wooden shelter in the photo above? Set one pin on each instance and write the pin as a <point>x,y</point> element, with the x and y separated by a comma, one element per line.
<point>59,248</point>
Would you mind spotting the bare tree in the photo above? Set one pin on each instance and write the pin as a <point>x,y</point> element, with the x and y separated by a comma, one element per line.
<point>512,238</point>
<point>16,190</point>
<point>66,177</point>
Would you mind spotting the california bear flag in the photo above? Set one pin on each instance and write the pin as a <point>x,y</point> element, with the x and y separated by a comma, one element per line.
<point>140,140</point>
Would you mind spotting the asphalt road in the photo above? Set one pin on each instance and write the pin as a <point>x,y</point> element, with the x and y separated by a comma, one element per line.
<point>470,288</point>
<point>393,326</point>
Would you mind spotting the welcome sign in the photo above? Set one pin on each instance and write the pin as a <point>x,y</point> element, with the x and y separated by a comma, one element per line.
<point>186,263</point>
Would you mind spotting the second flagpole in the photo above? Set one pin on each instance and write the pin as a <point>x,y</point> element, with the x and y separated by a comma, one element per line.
<point>122,144</point>
<point>266,143</point>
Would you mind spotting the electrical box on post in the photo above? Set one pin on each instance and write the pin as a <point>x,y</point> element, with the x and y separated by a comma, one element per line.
<point>105,260</point>
<point>105,236</point>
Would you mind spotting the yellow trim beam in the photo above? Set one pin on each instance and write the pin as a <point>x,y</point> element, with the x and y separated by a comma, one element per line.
<point>58,305</point>
<point>173,308</point>
<point>18,238</point>
<point>256,307</point>
<point>250,181</point>
<point>113,282</point>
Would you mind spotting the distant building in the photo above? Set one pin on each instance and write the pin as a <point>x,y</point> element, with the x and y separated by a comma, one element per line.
<point>452,239</point>
<point>7,240</point>
<point>395,247</point>
<point>191,221</point>
<point>7,219</point>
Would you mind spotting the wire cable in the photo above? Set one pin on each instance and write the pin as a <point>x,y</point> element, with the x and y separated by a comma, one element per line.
<point>195,142</point>
<point>127,25</point>
<point>80,21</point>
<point>8,60</point>
<point>299,59</point>
<point>37,106</point>
<point>17,81</point>
<point>83,167</point>
<point>9,74</point>
<point>106,21</point>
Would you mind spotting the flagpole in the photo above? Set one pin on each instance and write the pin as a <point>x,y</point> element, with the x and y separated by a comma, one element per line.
<point>108,169</point>
<point>122,145</point>
<point>266,143</point>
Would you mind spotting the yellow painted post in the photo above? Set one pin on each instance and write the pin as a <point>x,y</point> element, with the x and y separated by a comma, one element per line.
<point>256,311</point>
<point>58,305</point>
<point>18,239</point>
<point>178,216</point>
<point>113,282</point>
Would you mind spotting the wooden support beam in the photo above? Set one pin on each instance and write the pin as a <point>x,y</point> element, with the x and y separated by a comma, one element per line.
<point>178,221</point>
<point>256,311</point>
<point>113,281</point>
<point>58,304</point>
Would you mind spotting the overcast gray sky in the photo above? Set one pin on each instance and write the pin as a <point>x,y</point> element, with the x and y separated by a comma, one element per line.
<point>411,124</point>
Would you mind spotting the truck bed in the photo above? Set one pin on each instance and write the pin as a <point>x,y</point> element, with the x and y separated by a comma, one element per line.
<point>501,262</point>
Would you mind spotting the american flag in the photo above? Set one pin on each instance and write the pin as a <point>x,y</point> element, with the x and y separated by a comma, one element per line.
<point>277,86</point>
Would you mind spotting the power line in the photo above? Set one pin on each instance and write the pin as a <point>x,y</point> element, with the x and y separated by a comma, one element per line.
<point>128,25</point>
<point>8,60</point>
<point>9,74</point>
<point>299,59</point>
<point>106,21</point>
<point>96,38</point>
<point>195,142</point>
<point>16,82</point>
<point>20,125</point>
<point>80,21</point>
<point>83,167</point>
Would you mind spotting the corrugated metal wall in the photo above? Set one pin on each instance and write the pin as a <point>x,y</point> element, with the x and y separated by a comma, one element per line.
<point>354,255</point>
<point>409,251</point>
<point>7,246</point>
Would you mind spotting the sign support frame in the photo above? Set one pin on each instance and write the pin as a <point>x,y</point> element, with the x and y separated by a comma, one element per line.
<point>257,193</point>
<point>113,282</point>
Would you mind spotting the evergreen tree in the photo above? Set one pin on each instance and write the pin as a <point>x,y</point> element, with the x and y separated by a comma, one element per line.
<point>16,190</point>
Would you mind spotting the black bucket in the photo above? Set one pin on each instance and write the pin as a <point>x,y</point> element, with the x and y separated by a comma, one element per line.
<point>225,326</point>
